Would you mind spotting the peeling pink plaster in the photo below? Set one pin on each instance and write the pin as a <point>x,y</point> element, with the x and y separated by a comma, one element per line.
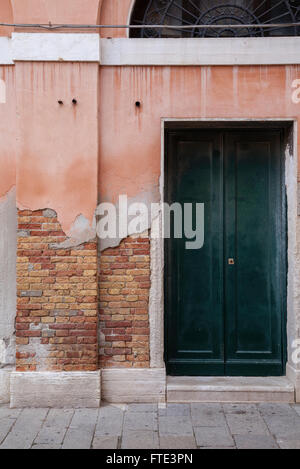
<point>56,11</point>
<point>115,12</point>
<point>7,132</point>
<point>6,16</point>
<point>130,144</point>
<point>57,148</point>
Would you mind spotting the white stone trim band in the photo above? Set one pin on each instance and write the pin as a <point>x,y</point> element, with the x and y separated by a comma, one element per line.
<point>6,55</point>
<point>78,47</point>
<point>50,47</point>
<point>201,51</point>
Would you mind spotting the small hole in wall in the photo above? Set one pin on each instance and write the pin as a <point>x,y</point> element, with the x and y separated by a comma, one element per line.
<point>138,104</point>
<point>60,102</point>
<point>74,101</point>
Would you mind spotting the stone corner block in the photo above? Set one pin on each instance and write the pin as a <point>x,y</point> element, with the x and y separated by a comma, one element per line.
<point>5,374</point>
<point>146,385</point>
<point>293,375</point>
<point>55,389</point>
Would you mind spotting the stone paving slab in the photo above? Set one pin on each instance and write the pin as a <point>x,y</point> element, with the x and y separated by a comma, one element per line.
<point>142,408</point>
<point>213,436</point>
<point>208,415</point>
<point>140,440</point>
<point>283,423</point>
<point>105,442</point>
<point>244,420</point>
<point>240,409</point>
<point>218,447</point>
<point>177,442</point>
<point>81,431</point>
<point>51,435</point>
<point>8,418</point>
<point>297,408</point>
<point>25,429</point>
<point>6,412</point>
<point>255,442</point>
<point>293,442</point>
<point>6,425</point>
<point>176,410</point>
<point>151,426</point>
<point>110,421</point>
<point>140,421</point>
<point>171,425</point>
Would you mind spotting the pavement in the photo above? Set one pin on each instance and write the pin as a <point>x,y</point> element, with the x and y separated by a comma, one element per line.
<point>152,426</point>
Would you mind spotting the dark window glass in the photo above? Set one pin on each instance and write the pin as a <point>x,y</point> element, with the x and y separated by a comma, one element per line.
<point>220,13</point>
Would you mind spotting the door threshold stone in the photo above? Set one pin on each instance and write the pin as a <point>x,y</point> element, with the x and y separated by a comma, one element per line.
<point>182,389</point>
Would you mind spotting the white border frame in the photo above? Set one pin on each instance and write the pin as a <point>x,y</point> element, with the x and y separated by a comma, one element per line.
<point>200,51</point>
<point>46,47</point>
<point>6,55</point>
<point>78,47</point>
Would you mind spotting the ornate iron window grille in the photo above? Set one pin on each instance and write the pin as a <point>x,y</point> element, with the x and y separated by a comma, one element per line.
<point>230,18</point>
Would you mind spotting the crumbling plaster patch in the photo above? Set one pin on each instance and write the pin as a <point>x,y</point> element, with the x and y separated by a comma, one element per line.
<point>145,197</point>
<point>8,250</point>
<point>82,231</point>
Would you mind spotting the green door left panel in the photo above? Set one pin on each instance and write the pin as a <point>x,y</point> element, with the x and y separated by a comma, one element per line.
<point>195,324</point>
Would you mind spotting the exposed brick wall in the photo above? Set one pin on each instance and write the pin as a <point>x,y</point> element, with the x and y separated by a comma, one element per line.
<point>124,300</point>
<point>56,324</point>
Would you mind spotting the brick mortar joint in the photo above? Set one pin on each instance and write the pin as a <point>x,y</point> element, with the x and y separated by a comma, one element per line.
<point>56,322</point>
<point>124,301</point>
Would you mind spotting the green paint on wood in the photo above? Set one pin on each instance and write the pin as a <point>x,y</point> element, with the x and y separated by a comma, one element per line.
<point>222,318</point>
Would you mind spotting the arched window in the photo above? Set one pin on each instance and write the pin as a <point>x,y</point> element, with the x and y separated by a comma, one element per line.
<point>220,13</point>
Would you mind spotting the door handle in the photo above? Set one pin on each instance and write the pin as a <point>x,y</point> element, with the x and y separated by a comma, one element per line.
<point>231,261</point>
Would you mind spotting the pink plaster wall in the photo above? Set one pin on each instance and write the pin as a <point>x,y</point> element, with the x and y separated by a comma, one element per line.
<point>6,16</point>
<point>130,145</point>
<point>56,11</point>
<point>61,162</point>
<point>45,11</point>
<point>67,11</point>
<point>7,132</point>
<point>115,12</point>
<point>57,150</point>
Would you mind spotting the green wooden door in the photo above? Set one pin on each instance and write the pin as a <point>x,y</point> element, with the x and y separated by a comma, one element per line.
<point>225,302</point>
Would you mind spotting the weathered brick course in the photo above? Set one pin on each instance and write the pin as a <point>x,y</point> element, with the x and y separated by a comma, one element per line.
<point>56,324</point>
<point>124,299</point>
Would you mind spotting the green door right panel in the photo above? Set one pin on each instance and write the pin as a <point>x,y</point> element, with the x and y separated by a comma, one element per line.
<point>227,318</point>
